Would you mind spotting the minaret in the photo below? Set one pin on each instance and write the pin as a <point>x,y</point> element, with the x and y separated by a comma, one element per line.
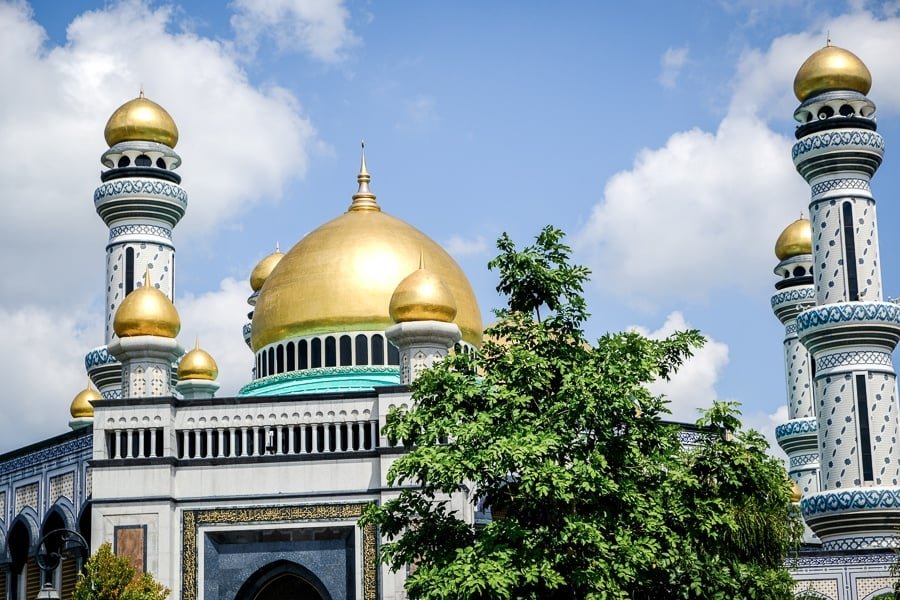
<point>795,293</point>
<point>852,331</point>
<point>423,309</point>
<point>141,201</point>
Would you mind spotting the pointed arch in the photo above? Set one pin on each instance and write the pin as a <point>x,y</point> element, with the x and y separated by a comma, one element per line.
<point>280,570</point>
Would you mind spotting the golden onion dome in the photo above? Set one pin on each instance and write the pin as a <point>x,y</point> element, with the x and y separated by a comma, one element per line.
<point>147,311</point>
<point>796,239</point>
<point>82,405</point>
<point>264,268</point>
<point>198,364</point>
<point>141,120</point>
<point>831,68</point>
<point>342,275</point>
<point>796,492</point>
<point>422,296</point>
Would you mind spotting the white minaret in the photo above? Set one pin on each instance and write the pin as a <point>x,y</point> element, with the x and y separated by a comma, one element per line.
<point>423,309</point>
<point>851,332</point>
<point>141,201</point>
<point>795,292</point>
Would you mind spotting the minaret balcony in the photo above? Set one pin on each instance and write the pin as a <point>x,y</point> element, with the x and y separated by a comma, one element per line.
<point>870,325</point>
<point>798,435</point>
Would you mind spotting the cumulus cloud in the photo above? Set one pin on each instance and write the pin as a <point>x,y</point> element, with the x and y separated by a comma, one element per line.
<point>459,246</point>
<point>420,114</point>
<point>694,385</point>
<point>318,27</point>
<point>706,207</point>
<point>216,319</point>
<point>672,61</point>
<point>56,101</point>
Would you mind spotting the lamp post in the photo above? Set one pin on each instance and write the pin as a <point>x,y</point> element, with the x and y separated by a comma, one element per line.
<point>51,549</point>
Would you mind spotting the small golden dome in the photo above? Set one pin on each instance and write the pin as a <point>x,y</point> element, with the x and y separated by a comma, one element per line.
<point>82,406</point>
<point>198,364</point>
<point>422,296</point>
<point>796,492</point>
<point>264,268</point>
<point>141,120</point>
<point>342,275</point>
<point>147,311</point>
<point>796,239</point>
<point>831,68</point>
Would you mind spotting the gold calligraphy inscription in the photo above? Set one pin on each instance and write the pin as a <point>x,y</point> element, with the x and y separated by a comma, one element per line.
<point>192,520</point>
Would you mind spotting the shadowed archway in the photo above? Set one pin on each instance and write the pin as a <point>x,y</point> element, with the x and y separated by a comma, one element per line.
<point>283,580</point>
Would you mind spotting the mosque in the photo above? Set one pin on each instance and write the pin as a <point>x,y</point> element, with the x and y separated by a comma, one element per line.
<point>258,496</point>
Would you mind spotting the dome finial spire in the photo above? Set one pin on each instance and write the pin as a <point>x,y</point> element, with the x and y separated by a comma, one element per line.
<point>364,199</point>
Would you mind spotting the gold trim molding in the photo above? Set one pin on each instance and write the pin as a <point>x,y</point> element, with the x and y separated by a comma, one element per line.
<point>192,520</point>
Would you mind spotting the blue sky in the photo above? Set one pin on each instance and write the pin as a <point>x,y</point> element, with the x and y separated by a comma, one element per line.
<point>656,134</point>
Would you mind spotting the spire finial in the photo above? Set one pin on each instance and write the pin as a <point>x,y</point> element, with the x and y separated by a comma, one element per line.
<point>141,93</point>
<point>421,259</point>
<point>197,343</point>
<point>147,276</point>
<point>364,199</point>
<point>828,37</point>
<point>277,248</point>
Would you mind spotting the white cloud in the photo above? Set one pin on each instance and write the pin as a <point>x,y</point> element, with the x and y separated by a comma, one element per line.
<point>420,114</point>
<point>765,423</point>
<point>318,27</point>
<point>56,101</point>
<point>694,385</point>
<point>672,61</point>
<point>42,368</point>
<point>216,318</point>
<point>459,246</point>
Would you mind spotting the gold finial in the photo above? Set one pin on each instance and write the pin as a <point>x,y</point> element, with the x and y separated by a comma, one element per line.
<point>141,93</point>
<point>277,247</point>
<point>147,277</point>
<point>364,199</point>
<point>828,37</point>
<point>421,259</point>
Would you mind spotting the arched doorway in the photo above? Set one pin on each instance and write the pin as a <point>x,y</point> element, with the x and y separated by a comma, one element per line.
<point>283,580</point>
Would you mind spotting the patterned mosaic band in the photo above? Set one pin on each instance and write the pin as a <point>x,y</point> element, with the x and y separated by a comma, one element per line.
<point>795,427</point>
<point>98,356</point>
<point>834,139</point>
<point>849,183</point>
<point>862,543</point>
<point>163,232</point>
<point>849,312</point>
<point>804,459</point>
<point>794,295</point>
<point>46,455</point>
<point>134,185</point>
<point>843,359</point>
<point>855,499</point>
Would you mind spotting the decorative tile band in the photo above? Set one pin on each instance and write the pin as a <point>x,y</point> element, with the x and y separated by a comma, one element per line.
<point>869,558</point>
<point>862,543</point>
<point>840,184</point>
<point>794,294</point>
<point>140,230</point>
<point>192,520</point>
<point>842,359</point>
<point>804,459</point>
<point>121,187</point>
<point>847,312</point>
<point>833,139</point>
<point>98,356</point>
<point>855,499</point>
<point>789,329</point>
<point>796,426</point>
<point>84,442</point>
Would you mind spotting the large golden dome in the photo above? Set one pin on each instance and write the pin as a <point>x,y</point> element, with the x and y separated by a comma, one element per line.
<point>147,311</point>
<point>82,406</point>
<point>796,239</point>
<point>422,296</point>
<point>831,68</point>
<point>341,276</point>
<point>141,120</point>
<point>264,268</point>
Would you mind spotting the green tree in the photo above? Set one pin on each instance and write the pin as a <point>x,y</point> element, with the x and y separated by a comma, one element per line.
<point>110,577</point>
<point>561,437</point>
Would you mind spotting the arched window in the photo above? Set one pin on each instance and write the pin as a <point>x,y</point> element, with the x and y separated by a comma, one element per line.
<point>316,351</point>
<point>129,270</point>
<point>362,350</point>
<point>330,352</point>
<point>291,363</point>
<point>143,161</point>
<point>160,163</point>
<point>271,354</point>
<point>346,351</point>
<point>849,251</point>
<point>265,363</point>
<point>124,161</point>
<point>377,349</point>
<point>279,357</point>
<point>393,355</point>
<point>302,358</point>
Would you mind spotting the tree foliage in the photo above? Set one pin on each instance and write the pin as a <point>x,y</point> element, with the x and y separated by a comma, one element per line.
<point>110,577</point>
<point>592,493</point>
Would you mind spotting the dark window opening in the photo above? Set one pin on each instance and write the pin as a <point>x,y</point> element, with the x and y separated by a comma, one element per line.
<point>302,359</point>
<point>849,251</point>
<point>279,356</point>
<point>865,442</point>
<point>332,438</point>
<point>377,349</point>
<point>160,163</point>
<point>367,436</point>
<point>330,352</point>
<point>307,446</point>
<point>123,162</point>
<point>846,110</point>
<point>129,270</point>
<point>143,161</point>
<point>291,364</point>
<point>271,354</point>
<point>320,438</point>
<point>316,351</point>
<point>393,355</point>
<point>362,350</point>
<point>346,351</point>
<point>799,271</point>
<point>812,367</point>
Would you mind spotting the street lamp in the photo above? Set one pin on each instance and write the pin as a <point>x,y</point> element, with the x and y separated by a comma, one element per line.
<point>51,549</point>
